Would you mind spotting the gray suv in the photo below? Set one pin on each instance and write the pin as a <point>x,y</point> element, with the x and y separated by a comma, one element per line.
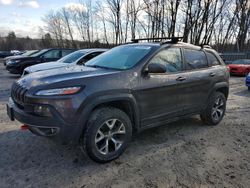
<point>125,90</point>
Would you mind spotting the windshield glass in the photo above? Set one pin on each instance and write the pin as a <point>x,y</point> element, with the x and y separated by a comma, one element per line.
<point>72,57</point>
<point>39,53</point>
<point>241,61</point>
<point>121,57</point>
<point>30,52</point>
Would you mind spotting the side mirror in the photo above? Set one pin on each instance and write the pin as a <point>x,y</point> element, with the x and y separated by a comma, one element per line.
<point>42,59</point>
<point>156,68</point>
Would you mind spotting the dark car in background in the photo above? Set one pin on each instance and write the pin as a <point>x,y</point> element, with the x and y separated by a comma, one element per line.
<point>4,54</point>
<point>25,54</point>
<point>78,57</point>
<point>17,65</point>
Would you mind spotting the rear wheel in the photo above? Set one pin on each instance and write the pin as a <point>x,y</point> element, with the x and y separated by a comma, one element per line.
<point>215,110</point>
<point>107,135</point>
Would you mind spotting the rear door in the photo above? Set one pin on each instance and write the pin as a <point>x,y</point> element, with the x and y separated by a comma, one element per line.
<point>198,80</point>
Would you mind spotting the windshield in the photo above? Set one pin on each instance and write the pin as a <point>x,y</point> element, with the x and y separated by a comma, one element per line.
<point>71,58</point>
<point>39,53</point>
<point>30,52</point>
<point>242,61</point>
<point>121,57</point>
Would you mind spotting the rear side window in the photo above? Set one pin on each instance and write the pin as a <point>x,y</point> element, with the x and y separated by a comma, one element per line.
<point>170,58</point>
<point>212,59</point>
<point>195,59</point>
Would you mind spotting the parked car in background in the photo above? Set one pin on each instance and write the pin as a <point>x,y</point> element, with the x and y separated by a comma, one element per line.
<point>248,81</point>
<point>125,90</point>
<point>76,58</point>
<point>4,54</point>
<point>239,67</point>
<point>17,52</point>
<point>26,54</point>
<point>17,65</point>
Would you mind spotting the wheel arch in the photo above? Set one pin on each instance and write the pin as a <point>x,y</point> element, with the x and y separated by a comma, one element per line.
<point>124,102</point>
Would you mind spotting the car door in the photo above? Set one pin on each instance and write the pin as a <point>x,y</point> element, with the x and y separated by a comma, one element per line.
<point>159,94</point>
<point>51,55</point>
<point>197,80</point>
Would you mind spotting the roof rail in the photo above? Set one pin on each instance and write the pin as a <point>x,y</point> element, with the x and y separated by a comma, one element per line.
<point>205,46</point>
<point>170,39</point>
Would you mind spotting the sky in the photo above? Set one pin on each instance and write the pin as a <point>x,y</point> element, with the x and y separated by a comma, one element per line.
<point>24,17</point>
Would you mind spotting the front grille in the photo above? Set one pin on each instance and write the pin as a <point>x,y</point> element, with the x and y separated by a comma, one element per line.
<point>234,69</point>
<point>18,93</point>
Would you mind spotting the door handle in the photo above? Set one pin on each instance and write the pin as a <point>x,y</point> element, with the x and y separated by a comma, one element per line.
<point>212,74</point>
<point>180,78</point>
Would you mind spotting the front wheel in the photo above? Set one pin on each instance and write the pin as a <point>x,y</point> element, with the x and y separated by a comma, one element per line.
<point>107,135</point>
<point>215,110</point>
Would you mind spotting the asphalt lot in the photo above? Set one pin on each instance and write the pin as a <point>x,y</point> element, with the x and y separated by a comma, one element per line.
<point>183,154</point>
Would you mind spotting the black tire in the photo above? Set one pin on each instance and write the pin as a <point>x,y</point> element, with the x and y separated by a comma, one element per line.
<point>249,88</point>
<point>100,121</point>
<point>211,116</point>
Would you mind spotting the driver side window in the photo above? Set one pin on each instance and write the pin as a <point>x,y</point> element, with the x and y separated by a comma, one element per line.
<point>170,58</point>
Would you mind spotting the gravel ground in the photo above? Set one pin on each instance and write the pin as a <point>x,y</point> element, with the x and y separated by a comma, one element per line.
<point>183,154</point>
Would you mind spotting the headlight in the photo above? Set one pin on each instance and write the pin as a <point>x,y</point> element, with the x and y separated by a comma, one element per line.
<point>59,91</point>
<point>13,61</point>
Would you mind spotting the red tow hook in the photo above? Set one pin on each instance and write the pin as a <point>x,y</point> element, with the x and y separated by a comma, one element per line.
<point>24,127</point>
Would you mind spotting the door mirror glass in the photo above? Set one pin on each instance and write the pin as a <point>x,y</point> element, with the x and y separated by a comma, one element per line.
<point>156,68</point>
<point>42,58</point>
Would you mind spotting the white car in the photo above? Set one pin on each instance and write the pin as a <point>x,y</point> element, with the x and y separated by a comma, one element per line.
<point>76,58</point>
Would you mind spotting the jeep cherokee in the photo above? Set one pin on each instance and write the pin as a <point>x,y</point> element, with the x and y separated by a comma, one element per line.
<point>125,90</point>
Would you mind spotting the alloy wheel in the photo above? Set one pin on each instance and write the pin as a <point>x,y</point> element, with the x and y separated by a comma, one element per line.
<point>218,109</point>
<point>110,136</point>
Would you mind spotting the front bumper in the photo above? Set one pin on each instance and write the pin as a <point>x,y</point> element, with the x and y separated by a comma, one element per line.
<point>13,70</point>
<point>53,127</point>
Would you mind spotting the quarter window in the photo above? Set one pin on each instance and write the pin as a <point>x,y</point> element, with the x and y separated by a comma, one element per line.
<point>195,59</point>
<point>212,59</point>
<point>170,58</point>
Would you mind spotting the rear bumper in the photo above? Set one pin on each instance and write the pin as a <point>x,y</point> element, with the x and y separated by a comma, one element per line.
<point>52,127</point>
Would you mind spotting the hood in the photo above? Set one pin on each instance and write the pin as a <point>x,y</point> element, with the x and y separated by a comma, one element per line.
<point>62,74</point>
<point>45,66</point>
<point>23,58</point>
<point>12,57</point>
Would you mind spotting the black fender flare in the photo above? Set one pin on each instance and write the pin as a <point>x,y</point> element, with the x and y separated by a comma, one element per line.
<point>92,102</point>
<point>218,86</point>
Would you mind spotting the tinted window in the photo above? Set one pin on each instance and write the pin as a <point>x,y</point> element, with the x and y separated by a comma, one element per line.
<point>170,58</point>
<point>92,55</point>
<point>212,59</point>
<point>195,59</point>
<point>52,54</point>
<point>121,57</point>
